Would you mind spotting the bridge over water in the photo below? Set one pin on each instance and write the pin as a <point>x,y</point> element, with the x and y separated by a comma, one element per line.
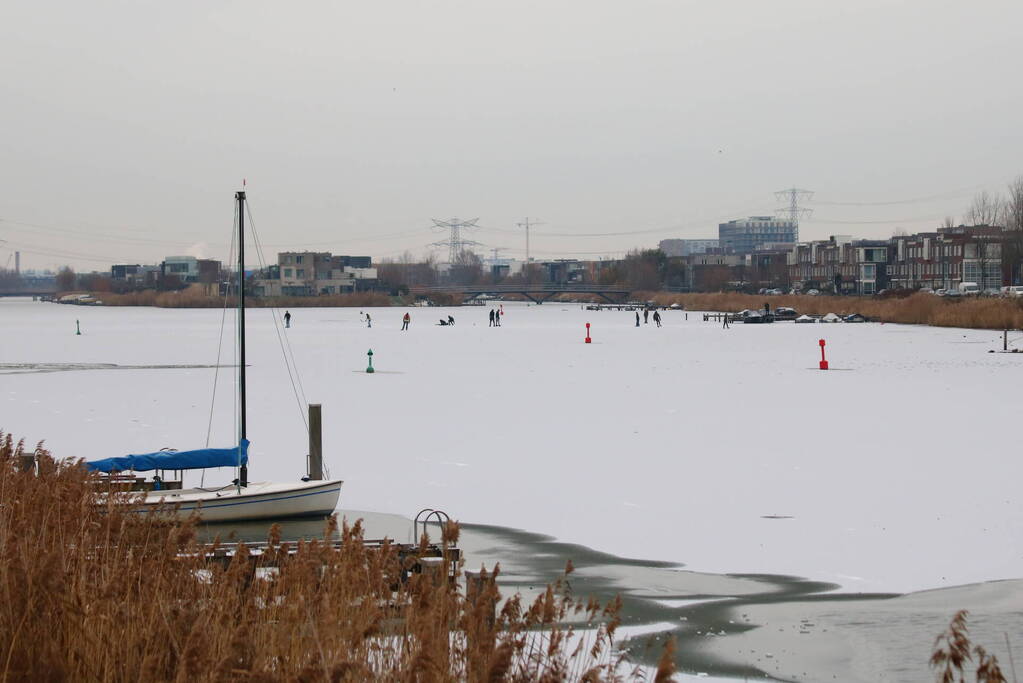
<point>536,293</point>
<point>28,292</point>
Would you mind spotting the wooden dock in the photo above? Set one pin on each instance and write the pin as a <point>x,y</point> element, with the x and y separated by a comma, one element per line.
<point>413,558</point>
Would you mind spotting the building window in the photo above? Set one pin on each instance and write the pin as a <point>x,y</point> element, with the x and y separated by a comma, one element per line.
<point>300,273</point>
<point>298,259</point>
<point>287,272</point>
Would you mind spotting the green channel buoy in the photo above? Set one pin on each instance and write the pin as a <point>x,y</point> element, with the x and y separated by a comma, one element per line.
<point>370,368</point>
<point>78,328</point>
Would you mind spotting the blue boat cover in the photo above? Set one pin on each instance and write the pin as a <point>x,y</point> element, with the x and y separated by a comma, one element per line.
<point>175,460</point>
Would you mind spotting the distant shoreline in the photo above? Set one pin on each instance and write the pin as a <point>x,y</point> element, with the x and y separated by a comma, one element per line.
<point>992,313</point>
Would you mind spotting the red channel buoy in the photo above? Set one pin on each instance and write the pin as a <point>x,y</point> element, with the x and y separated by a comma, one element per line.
<point>824,362</point>
<point>588,340</point>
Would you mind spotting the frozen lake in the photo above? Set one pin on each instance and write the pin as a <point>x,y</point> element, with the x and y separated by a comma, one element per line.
<point>725,450</point>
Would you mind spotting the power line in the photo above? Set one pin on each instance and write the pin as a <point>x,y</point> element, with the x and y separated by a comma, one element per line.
<point>950,194</point>
<point>916,219</point>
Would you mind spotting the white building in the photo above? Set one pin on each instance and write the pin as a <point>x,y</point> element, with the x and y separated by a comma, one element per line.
<point>185,267</point>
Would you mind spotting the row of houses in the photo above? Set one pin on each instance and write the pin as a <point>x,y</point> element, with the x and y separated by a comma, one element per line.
<point>184,269</point>
<point>295,274</point>
<point>763,251</point>
<point>941,259</point>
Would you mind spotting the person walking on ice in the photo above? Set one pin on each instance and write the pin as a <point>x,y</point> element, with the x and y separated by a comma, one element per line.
<point>369,321</point>
<point>497,318</point>
<point>637,318</point>
<point>657,318</point>
<point>646,316</point>
<point>491,318</point>
<point>405,321</point>
<point>287,318</point>
<point>724,321</point>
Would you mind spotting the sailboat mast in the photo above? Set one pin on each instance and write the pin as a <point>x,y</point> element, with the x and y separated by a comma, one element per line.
<point>240,196</point>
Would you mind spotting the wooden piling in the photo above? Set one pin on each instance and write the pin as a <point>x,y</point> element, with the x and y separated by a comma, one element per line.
<point>315,443</point>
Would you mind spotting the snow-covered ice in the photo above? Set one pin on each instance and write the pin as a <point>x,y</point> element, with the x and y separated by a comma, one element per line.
<point>725,450</point>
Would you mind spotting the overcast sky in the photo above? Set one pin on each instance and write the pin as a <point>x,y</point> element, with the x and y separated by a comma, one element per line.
<point>125,127</point>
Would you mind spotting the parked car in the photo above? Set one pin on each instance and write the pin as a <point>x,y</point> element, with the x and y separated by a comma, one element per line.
<point>813,292</point>
<point>1014,290</point>
<point>969,288</point>
<point>855,318</point>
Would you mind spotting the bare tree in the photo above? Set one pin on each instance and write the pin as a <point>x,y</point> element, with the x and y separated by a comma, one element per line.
<point>467,268</point>
<point>1012,249</point>
<point>949,222</point>
<point>10,280</point>
<point>1012,207</point>
<point>66,279</point>
<point>986,209</point>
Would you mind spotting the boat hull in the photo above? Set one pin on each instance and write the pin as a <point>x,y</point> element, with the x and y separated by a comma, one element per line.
<point>256,501</point>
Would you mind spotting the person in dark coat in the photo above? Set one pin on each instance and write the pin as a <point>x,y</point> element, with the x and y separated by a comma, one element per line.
<point>497,318</point>
<point>637,318</point>
<point>646,316</point>
<point>287,318</point>
<point>657,318</point>
<point>451,320</point>
<point>405,321</point>
<point>491,318</point>
<point>369,321</point>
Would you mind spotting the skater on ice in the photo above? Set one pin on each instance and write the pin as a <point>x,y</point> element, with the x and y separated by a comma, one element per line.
<point>405,321</point>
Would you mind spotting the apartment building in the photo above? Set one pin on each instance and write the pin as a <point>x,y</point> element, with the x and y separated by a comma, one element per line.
<point>677,248</point>
<point>747,235</point>
<point>310,273</point>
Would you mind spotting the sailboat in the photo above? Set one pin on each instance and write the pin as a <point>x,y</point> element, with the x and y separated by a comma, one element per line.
<point>242,499</point>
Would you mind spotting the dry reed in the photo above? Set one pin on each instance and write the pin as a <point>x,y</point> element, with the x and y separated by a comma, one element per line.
<point>196,297</point>
<point>920,309</point>
<point>953,650</point>
<point>94,591</point>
